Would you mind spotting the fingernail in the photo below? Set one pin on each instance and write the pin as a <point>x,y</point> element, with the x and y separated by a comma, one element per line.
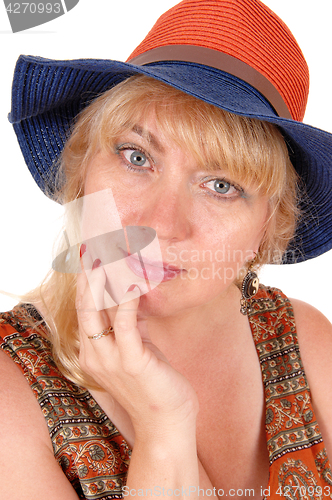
<point>96,264</point>
<point>132,288</point>
<point>82,250</point>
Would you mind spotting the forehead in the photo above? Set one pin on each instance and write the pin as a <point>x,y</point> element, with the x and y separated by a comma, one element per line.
<point>150,134</point>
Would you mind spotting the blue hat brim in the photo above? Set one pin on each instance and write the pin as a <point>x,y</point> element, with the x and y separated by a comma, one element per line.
<point>47,95</point>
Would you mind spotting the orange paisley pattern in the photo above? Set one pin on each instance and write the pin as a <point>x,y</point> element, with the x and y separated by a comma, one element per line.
<point>95,457</point>
<point>299,466</point>
<point>92,453</point>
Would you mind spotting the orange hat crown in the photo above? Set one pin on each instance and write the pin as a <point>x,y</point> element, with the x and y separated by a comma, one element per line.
<point>246,30</point>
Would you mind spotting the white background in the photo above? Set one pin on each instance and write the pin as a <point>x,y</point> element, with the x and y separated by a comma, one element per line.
<point>111,29</point>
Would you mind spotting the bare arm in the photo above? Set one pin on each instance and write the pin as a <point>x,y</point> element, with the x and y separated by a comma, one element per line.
<point>28,467</point>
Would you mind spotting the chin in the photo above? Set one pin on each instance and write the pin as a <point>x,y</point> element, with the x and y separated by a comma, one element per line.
<point>154,303</point>
<point>164,302</point>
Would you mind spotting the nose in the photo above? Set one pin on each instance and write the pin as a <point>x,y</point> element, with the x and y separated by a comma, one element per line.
<point>167,210</point>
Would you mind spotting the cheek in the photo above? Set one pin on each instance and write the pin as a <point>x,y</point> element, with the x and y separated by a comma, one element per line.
<point>238,234</point>
<point>128,209</point>
<point>99,180</point>
<point>95,179</point>
<point>223,246</point>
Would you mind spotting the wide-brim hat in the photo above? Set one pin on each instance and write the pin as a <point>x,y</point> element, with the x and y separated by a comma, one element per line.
<point>235,54</point>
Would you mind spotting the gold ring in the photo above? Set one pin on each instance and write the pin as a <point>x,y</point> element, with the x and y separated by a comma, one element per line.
<point>105,332</point>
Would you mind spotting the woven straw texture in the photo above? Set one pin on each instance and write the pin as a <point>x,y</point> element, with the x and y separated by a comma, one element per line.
<point>245,29</point>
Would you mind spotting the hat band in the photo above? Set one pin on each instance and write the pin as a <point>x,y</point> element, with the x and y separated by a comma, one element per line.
<point>217,60</point>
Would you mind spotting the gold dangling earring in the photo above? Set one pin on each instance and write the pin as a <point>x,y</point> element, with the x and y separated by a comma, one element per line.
<point>250,286</point>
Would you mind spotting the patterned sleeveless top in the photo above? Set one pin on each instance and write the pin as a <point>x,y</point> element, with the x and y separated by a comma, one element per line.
<point>95,457</point>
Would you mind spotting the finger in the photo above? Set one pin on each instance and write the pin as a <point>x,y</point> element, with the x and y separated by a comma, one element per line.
<point>90,290</point>
<point>142,326</point>
<point>82,280</point>
<point>126,332</point>
<point>102,299</point>
<point>96,279</point>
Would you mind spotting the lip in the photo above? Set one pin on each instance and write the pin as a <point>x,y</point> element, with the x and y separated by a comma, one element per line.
<point>152,271</point>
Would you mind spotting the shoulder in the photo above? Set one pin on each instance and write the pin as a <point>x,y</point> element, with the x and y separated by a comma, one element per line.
<point>314,332</point>
<point>26,440</point>
<point>16,393</point>
<point>17,355</point>
<point>17,400</point>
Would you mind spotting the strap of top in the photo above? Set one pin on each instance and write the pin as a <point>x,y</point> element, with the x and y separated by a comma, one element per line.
<point>294,441</point>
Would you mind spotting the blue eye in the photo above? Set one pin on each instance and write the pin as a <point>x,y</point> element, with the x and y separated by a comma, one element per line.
<point>221,186</point>
<point>134,157</point>
<point>223,189</point>
<point>138,158</point>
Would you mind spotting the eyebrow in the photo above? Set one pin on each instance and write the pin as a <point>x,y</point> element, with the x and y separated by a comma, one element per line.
<point>148,136</point>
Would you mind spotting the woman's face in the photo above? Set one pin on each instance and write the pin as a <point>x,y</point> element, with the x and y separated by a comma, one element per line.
<point>207,224</point>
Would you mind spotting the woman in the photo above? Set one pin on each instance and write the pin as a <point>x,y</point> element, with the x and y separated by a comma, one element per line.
<point>195,384</point>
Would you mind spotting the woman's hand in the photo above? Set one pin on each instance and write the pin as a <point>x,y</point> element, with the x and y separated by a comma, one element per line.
<point>160,402</point>
<point>158,399</point>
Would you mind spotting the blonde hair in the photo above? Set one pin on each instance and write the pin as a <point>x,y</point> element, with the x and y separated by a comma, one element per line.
<point>252,151</point>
